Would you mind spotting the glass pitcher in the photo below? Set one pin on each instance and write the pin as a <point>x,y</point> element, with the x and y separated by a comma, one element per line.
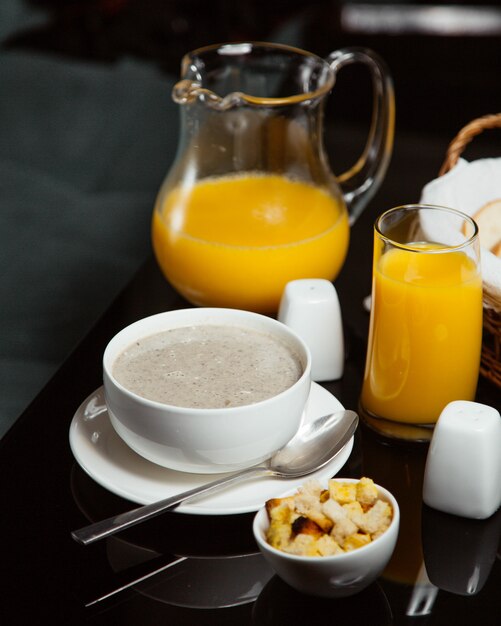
<point>250,202</point>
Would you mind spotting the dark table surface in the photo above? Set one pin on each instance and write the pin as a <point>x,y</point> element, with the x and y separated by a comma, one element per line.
<point>445,570</point>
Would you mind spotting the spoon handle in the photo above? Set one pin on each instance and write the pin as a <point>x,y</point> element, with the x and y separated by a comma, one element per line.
<point>111,525</point>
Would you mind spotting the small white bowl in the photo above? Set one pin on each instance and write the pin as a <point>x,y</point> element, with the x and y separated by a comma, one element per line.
<point>205,440</point>
<point>332,576</point>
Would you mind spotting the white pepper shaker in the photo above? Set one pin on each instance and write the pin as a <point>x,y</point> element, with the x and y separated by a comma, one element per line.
<point>310,306</point>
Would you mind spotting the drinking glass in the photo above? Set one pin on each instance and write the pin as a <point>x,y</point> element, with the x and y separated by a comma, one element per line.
<point>426,319</point>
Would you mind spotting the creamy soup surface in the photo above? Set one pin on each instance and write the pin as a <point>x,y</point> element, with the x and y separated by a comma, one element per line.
<point>208,366</point>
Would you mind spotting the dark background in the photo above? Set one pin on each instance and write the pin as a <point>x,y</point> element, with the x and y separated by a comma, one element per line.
<point>88,130</point>
<point>446,68</point>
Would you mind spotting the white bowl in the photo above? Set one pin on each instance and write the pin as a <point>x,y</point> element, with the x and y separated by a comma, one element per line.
<point>332,576</point>
<point>203,440</point>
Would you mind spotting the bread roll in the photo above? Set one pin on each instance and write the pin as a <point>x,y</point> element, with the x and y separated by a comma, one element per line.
<point>488,219</point>
<point>497,249</point>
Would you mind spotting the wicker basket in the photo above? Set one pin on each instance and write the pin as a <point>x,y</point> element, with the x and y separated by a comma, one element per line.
<point>490,366</point>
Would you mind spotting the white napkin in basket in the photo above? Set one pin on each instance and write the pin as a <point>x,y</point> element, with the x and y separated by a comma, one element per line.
<point>468,186</point>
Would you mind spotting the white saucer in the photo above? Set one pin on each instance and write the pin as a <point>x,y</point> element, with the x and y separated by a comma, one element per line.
<point>111,463</point>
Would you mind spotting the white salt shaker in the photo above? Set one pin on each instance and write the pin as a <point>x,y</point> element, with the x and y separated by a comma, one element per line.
<point>311,307</point>
<point>463,467</point>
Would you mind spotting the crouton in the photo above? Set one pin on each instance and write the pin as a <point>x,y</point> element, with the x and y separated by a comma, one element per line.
<point>354,511</point>
<point>342,492</point>
<point>333,510</point>
<point>366,492</point>
<point>310,506</point>
<point>302,545</point>
<point>311,487</point>
<point>279,531</point>
<point>324,522</point>
<point>342,529</point>
<point>305,526</point>
<point>327,546</point>
<point>356,540</point>
<point>278,502</point>
<point>376,519</point>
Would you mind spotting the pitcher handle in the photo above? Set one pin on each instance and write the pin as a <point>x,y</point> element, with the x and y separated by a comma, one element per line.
<point>363,179</point>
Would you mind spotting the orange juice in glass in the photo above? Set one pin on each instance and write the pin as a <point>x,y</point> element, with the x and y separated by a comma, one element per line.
<point>426,319</point>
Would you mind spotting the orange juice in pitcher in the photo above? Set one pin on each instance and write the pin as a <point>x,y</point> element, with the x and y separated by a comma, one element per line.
<point>259,238</point>
<point>250,202</point>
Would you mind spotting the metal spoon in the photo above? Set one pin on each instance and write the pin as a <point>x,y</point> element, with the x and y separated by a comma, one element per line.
<point>313,446</point>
